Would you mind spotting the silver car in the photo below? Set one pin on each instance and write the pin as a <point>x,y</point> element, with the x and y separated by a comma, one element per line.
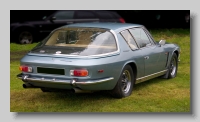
<point>98,56</point>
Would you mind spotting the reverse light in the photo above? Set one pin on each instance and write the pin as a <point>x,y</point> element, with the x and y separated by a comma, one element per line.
<point>25,68</point>
<point>79,72</point>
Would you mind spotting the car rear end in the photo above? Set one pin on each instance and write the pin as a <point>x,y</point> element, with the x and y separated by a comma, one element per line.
<point>72,58</point>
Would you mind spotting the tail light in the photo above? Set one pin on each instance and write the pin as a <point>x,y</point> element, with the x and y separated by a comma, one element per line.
<point>26,68</point>
<point>79,72</point>
<point>122,20</point>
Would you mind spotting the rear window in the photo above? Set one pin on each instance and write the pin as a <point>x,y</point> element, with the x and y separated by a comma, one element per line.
<point>78,41</point>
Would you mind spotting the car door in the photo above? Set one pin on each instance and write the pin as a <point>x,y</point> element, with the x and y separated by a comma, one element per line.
<point>64,17</point>
<point>154,56</point>
<point>82,16</point>
<point>136,54</point>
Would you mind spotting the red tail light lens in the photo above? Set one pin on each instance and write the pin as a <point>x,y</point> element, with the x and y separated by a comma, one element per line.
<point>25,68</point>
<point>79,72</point>
<point>122,20</point>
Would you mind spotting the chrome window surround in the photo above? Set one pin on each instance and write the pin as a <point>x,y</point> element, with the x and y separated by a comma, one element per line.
<point>145,30</point>
<point>132,37</point>
<point>91,56</point>
<point>148,36</point>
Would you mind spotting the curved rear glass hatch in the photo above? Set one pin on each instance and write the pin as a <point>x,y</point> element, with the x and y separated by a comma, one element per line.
<point>78,42</point>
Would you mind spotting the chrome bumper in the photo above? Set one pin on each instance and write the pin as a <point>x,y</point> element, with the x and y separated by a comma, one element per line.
<point>73,81</point>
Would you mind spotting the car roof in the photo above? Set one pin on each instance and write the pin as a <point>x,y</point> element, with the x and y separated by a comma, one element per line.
<point>117,27</point>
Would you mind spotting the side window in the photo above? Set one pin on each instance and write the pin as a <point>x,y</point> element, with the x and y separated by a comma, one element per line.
<point>129,39</point>
<point>140,36</point>
<point>84,15</point>
<point>104,15</point>
<point>62,15</point>
<point>150,37</point>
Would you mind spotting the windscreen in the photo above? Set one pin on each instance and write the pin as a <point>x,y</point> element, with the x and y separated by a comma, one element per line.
<point>78,41</point>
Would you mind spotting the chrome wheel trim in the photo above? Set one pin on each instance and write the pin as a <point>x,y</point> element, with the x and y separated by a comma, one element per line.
<point>126,81</point>
<point>25,37</point>
<point>173,67</point>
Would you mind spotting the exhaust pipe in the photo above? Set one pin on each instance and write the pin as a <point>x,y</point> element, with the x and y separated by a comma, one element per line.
<point>77,90</point>
<point>27,85</point>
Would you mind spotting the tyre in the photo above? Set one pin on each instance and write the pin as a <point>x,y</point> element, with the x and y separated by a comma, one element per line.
<point>24,36</point>
<point>173,67</point>
<point>125,83</point>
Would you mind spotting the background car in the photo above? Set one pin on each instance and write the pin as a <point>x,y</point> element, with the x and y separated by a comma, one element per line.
<point>98,56</point>
<point>26,32</point>
<point>158,19</point>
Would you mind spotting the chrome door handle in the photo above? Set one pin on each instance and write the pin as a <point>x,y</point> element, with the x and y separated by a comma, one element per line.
<point>146,57</point>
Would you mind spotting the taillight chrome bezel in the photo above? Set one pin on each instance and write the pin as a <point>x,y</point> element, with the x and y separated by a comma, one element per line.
<point>79,72</point>
<point>25,68</point>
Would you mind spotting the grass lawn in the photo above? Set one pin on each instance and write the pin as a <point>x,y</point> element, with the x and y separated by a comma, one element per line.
<point>156,95</point>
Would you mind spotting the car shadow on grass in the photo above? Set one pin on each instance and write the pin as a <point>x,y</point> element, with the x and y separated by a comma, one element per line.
<point>143,85</point>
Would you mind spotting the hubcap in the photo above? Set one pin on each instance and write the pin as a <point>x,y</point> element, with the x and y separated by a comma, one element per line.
<point>25,37</point>
<point>126,81</point>
<point>173,67</point>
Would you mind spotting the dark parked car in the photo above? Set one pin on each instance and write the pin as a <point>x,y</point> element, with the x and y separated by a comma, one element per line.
<point>98,56</point>
<point>29,31</point>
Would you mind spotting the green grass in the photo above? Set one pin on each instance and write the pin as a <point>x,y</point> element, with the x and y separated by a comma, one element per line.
<point>21,47</point>
<point>156,95</point>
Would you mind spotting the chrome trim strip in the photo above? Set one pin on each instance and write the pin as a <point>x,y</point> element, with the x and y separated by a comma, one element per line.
<point>139,80</point>
<point>48,80</point>
<point>91,56</point>
<point>117,41</point>
<point>57,81</point>
<point>94,81</point>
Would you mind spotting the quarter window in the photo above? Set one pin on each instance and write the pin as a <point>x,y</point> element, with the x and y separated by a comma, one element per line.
<point>129,39</point>
<point>140,37</point>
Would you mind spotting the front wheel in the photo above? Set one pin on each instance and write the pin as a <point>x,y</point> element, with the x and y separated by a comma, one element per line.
<point>24,36</point>
<point>173,66</point>
<point>125,83</point>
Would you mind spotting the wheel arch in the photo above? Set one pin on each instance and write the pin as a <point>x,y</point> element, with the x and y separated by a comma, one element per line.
<point>15,32</point>
<point>133,67</point>
<point>176,51</point>
<point>24,27</point>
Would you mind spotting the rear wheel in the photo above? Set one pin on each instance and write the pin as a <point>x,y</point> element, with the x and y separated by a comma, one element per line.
<point>125,83</point>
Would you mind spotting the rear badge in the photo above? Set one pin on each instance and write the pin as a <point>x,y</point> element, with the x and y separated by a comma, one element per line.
<point>58,52</point>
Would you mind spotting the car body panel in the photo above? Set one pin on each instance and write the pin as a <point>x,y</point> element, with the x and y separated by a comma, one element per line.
<point>104,69</point>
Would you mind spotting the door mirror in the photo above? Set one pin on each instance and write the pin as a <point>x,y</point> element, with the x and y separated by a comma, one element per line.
<point>162,42</point>
<point>52,19</point>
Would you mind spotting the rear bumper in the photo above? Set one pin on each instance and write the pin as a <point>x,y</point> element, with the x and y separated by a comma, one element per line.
<point>71,82</point>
